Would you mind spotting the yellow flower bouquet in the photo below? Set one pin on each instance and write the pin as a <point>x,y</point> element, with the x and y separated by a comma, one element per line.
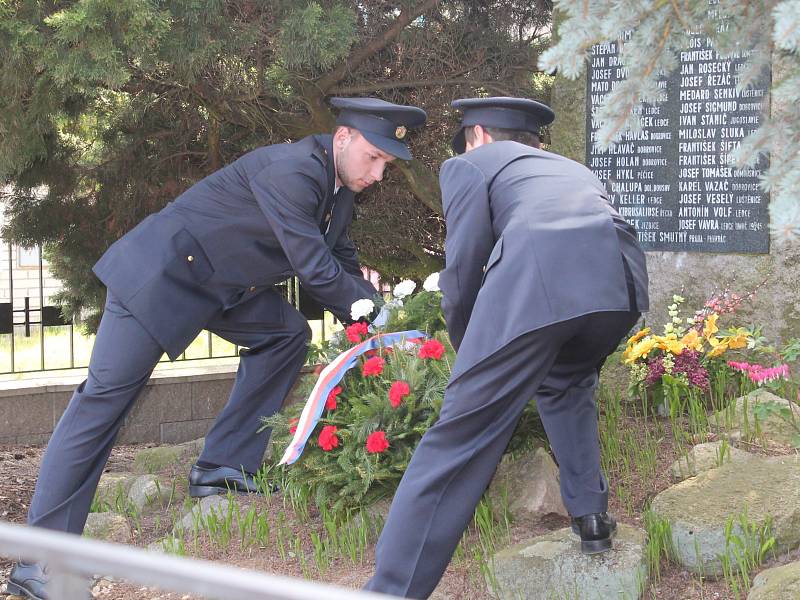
<point>677,359</point>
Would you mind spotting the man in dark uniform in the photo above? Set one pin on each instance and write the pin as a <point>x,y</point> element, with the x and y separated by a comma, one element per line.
<point>210,260</point>
<point>542,280</point>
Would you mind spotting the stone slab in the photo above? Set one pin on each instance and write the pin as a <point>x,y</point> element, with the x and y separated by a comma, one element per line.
<point>552,566</point>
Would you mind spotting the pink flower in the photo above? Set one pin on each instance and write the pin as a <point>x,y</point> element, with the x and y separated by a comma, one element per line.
<point>377,442</point>
<point>328,440</point>
<point>372,366</point>
<point>355,331</point>
<point>759,374</point>
<point>330,402</point>
<point>397,392</point>
<point>431,349</point>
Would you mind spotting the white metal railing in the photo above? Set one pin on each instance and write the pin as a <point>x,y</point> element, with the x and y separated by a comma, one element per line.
<point>72,560</point>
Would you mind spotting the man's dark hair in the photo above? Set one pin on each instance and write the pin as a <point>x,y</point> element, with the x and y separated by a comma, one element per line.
<point>499,135</point>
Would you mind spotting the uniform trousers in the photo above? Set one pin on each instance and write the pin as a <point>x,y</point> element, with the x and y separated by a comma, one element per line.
<point>123,357</point>
<point>558,365</point>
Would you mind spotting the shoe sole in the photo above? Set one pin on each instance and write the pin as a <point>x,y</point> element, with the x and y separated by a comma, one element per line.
<point>16,590</point>
<point>201,491</point>
<point>577,531</point>
<point>596,546</point>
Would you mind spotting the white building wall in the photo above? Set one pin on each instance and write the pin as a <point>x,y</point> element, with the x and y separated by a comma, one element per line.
<point>28,273</point>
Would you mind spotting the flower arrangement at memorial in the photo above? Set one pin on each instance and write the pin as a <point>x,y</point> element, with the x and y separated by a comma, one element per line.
<point>359,446</point>
<point>689,352</point>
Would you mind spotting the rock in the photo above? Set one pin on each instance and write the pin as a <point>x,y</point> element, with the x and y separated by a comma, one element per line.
<point>762,488</point>
<point>147,490</point>
<point>704,457</point>
<point>201,510</point>
<point>157,547</point>
<point>741,424</point>
<point>171,544</point>
<point>192,449</point>
<point>531,484</point>
<point>152,460</point>
<point>108,526</point>
<point>112,490</point>
<point>779,583</point>
<point>372,517</point>
<point>552,566</point>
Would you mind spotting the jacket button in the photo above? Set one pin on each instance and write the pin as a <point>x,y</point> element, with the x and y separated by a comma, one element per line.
<point>483,268</point>
<point>190,258</point>
<point>252,288</point>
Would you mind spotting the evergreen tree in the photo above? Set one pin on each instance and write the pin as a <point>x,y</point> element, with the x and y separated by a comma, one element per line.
<point>111,108</point>
<point>659,29</point>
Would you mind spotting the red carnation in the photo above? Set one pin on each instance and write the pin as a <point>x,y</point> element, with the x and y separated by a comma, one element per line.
<point>372,366</point>
<point>293,425</point>
<point>328,440</point>
<point>377,442</point>
<point>330,403</point>
<point>397,392</point>
<point>355,331</point>
<point>431,349</point>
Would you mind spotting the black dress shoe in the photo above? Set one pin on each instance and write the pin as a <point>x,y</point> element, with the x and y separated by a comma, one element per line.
<point>27,581</point>
<point>596,531</point>
<point>220,480</point>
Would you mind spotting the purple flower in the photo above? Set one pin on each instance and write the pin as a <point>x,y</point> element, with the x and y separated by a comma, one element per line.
<point>688,362</point>
<point>655,369</point>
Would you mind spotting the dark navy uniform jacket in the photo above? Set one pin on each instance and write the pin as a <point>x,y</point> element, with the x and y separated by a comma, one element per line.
<point>531,241</point>
<point>235,234</point>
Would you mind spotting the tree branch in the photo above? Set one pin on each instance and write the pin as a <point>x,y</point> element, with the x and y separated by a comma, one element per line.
<point>376,45</point>
<point>411,83</point>
<point>423,183</point>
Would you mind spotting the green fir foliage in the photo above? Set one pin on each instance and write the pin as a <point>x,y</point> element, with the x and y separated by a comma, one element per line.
<point>110,109</point>
<point>317,38</point>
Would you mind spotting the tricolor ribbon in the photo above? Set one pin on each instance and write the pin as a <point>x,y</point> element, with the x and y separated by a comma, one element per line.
<point>328,378</point>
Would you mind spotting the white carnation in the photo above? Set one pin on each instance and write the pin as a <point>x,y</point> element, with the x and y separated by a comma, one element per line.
<point>361,308</point>
<point>404,288</point>
<point>431,283</point>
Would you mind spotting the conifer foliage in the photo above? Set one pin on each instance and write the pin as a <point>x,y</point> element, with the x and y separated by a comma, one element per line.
<point>111,108</point>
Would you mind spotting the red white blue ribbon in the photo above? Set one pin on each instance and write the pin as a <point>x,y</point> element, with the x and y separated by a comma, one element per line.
<point>328,378</point>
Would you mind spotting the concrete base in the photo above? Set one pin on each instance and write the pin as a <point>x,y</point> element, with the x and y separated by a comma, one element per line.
<point>177,405</point>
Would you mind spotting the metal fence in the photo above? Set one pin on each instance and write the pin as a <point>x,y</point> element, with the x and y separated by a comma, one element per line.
<point>34,336</point>
<point>72,561</point>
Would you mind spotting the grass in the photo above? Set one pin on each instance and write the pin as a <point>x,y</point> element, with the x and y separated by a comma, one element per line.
<point>746,547</point>
<point>637,447</point>
<point>633,440</point>
<point>319,545</point>
<point>659,548</point>
<point>331,538</point>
